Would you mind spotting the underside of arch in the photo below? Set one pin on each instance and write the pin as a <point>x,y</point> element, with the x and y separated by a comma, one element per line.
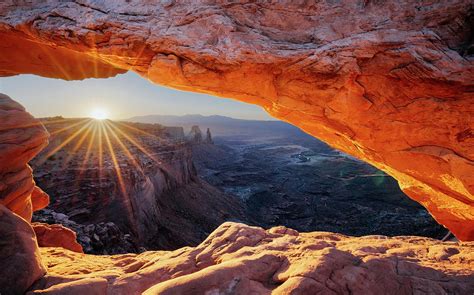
<point>392,85</point>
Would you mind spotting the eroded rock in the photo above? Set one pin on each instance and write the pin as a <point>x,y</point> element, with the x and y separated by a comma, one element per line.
<point>21,138</point>
<point>389,83</point>
<point>239,259</point>
<point>56,235</point>
<point>20,259</point>
<point>142,190</point>
<point>195,135</point>
<point>99,238</point>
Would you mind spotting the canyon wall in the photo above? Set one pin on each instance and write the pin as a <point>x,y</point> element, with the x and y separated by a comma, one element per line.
<point>126,187</point>
<point>389,83</point>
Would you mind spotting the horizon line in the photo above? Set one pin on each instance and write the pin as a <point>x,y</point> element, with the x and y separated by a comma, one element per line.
<point>151,115</point>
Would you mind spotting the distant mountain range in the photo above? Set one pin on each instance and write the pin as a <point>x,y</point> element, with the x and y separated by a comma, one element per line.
<point>225,126</point>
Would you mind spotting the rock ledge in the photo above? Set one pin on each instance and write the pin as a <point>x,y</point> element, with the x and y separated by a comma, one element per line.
<point>241,259</point>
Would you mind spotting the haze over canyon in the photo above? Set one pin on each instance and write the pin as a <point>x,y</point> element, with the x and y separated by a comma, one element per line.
<point>192,204</point>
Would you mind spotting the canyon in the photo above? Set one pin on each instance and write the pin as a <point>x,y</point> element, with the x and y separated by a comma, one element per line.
<point>127,186</point>
<point>283,176</point>
<point>388,84</point>
<point>308,187</point>
<point>391,84</point>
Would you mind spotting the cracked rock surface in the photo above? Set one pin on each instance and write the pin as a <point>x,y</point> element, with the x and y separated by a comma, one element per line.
<point>389,83</point>
<point>240,259</point>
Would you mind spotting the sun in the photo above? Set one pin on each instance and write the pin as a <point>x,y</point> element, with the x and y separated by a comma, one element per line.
<point>99,114</point>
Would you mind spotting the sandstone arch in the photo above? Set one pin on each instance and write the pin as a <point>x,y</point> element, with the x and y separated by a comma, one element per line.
<point>391,84</point>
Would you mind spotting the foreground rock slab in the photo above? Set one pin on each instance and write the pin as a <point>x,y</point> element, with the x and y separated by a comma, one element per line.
<point>387,82</point>
<point>240,259</point>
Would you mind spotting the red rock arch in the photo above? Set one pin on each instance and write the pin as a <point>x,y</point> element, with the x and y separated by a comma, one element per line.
<point>391,84</point>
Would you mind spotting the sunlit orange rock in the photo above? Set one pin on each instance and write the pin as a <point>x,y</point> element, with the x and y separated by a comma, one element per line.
<point>20,261</point>
<point>239,259</point>
<point>56,235</point>
<point>21,138</point>
<point>389,83</point>
<point>39,199</point>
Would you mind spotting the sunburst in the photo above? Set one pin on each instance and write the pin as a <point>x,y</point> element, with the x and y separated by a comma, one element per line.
<point>99,114</point>
<point>102,144</point>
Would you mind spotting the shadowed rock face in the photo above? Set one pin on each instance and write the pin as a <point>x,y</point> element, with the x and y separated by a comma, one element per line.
<point>21,138</point>
<point>391,84</point>
<point>20,259</point>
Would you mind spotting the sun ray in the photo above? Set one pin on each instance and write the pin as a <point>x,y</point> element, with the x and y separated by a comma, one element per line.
<point>93,52</point>
<point>51,121</point>
<point>138,59</point>
<point>114,159</point>
<point>101,155</point>
<point>88,153</point>
<point>64,143</point>
<point>124,148</point>
<point>118,172</point>
<point>53,61</point>
<point>135,143</point>
<point>77,146</point>
<point>83,121</point>
<point>126,125</point>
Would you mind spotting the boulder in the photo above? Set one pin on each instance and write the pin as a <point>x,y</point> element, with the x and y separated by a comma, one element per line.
<point>56,235</point>
<point>39,199</point>
<point>20,259</point>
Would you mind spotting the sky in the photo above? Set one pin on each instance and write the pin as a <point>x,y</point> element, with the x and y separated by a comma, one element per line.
<point>121,97</point>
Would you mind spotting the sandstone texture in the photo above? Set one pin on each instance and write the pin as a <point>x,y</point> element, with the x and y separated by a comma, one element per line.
<point>20,261</point>
<point>21,138</point>
<point>389,83</point>
<point>56,235</point>
<point>240,259</point>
